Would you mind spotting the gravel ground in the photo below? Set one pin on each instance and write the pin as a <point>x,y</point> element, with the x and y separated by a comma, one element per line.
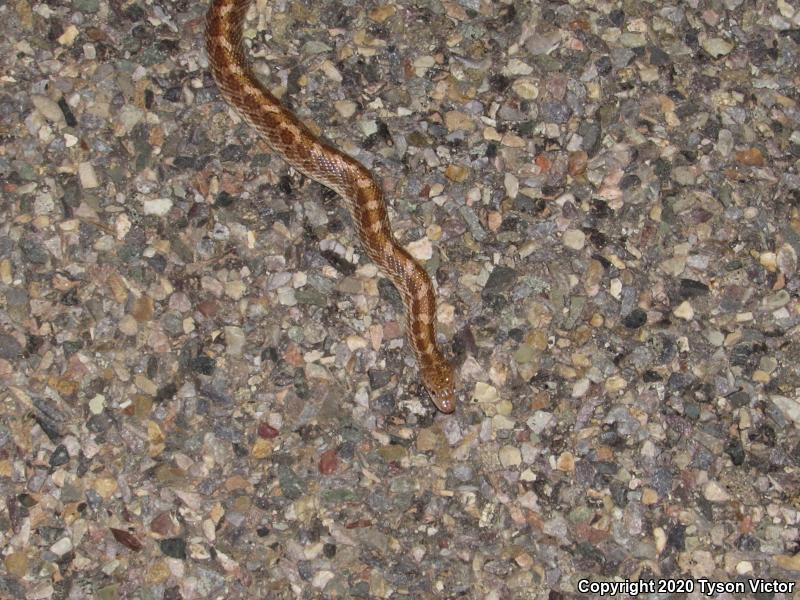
<point>204,387</point>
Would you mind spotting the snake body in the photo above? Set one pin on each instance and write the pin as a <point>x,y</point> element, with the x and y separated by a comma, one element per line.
<point>322,162</point>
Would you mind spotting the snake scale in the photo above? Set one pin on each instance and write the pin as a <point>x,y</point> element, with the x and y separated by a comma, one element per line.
<point>320,161</point>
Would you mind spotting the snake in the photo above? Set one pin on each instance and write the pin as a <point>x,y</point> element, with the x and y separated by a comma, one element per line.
<point>322,162</point>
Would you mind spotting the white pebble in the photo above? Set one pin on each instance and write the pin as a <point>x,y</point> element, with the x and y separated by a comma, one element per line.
<point>286,296</point>
<point>713,492</point>
<point>422,249</point>
<point>49,109</point>
<point>788,406</point>
<point>484,393</point>
<point>158,206</point>
<point>87,176</point>
<point>716,47</point>
<point>574,238</point>
<point>61,547</point>
<point>97,404</point>
<point>684,311</point>
<point>346,108</point>
<point>234,340</point>
<point>511,184</point>
<point>510,456</point>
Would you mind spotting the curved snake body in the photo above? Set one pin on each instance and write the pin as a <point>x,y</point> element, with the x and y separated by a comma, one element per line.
<point>320,161</point>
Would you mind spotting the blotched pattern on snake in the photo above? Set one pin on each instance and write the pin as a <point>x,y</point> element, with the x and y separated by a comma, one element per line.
<point>320,161</point>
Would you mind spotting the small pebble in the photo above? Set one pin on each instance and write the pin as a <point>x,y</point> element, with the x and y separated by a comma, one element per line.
<point>61,547</point>
<point>510,456</point>
<point>48,108</point>
<point>574,239</point>
<point>159,207</point>
<point>716,47</point>
<point>484,392</point>
<point>87,176</point>
<point>684,311</point>
<point>713,492</point>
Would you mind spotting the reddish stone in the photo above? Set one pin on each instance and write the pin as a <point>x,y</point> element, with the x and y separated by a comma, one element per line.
<point>127,539</point>
<point>576,165</point>
<point>359,524</point>
<point>591,534</point>
<point>207,308</point>
<point>163,525</point>
<point>328,462</point>
<point>543,163</point>
<point>752,157</point>
<point>293,356</point>
<point>266,430</point>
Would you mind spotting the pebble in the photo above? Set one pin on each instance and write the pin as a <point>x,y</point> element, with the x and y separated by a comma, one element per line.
<point>744,567</point>
<point>345,108</point>
<point>786,260</point>
<point>159,207</point>
<point>566,462</point>
<point>322,578</point>
<point>716,46</point>
<point>788,562</point>
<point>286,296</point>
<point>510,456</point>
<point>174,548</point>
<point>511,184</point>
<point>615,383</point>
<point>484,392</point>
<point>459,121</point>
<point>235,289</point>
<point>502,422</point>
<point>684,311</point>
<point>684,176</point>
<point>574,239</point>
<point>16,564</point>
<point>421,249</point>
<point>143,309</point>
<point>540,421</point>
<point>750,157</point>
<point>69,36</point>
<point>128,325</point>
<point>500,280</point>
<point>790,407</point>
<point>660,537</point>
<point>10,348</point>
<point>234,340</point>
<point>713,492</point>
<point>328,462</point>
<point>526,88</point>
<point>725,142</point>
<point>777,300</point>
<point>355,342</point>
<point>59,457</point>
<point>649,496</point>
<point>105,486</point>
<point>87,176</point>
<point>457,173</point>
<point>61,547</point>
<point>48,108</point>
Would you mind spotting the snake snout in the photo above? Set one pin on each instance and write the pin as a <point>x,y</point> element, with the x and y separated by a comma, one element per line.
<point>445,402</point>
<point>441,387</point>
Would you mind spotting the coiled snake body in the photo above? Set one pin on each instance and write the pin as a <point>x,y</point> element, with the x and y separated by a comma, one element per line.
<point>320,161</point>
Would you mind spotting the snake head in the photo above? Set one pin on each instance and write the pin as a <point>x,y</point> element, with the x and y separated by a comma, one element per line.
<point>438,379</point>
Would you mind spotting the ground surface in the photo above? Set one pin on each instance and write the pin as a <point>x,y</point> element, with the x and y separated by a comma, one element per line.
<point>205,390</point>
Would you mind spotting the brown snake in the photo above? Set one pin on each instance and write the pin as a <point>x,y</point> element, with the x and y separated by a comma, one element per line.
<point>320,161</point>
